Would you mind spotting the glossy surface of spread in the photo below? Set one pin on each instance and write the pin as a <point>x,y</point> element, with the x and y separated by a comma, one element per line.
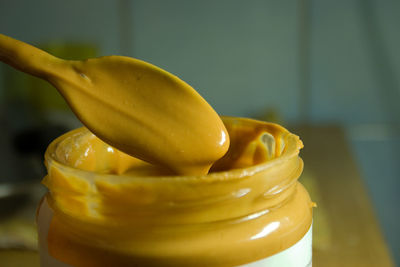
<point>132,105</point>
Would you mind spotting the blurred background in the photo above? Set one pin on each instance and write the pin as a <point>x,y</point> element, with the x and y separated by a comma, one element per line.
<point>299,63</point>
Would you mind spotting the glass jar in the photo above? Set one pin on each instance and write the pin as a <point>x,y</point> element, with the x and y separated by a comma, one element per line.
<point>97,213</point>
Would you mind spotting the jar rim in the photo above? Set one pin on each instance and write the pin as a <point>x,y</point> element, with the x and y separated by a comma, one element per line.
<point>125,195</point>
<point>292,147</point>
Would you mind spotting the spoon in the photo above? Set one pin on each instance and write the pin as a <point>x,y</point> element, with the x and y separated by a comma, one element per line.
<point>132,105</point>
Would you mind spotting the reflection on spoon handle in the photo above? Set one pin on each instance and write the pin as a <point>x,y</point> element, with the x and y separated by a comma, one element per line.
<point>27,58</point>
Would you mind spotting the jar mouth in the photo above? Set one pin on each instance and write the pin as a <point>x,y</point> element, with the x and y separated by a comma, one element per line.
<point>97,195</point>
<point>287,146</point>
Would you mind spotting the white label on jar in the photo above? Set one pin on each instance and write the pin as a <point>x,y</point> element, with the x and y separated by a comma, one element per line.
<point>298,255</point>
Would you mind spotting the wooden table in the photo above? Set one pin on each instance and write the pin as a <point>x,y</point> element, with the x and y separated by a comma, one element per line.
<point>346,231</point>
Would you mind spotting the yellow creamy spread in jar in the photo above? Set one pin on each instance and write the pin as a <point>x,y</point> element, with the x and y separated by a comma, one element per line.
<point>110,209</point>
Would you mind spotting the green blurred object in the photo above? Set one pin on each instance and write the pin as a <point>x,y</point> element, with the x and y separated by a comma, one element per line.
<point>17,258</point>
<point>41,94</point>
<point>38,97</point>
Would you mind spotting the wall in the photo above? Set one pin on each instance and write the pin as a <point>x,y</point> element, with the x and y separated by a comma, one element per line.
<point>244,59</point>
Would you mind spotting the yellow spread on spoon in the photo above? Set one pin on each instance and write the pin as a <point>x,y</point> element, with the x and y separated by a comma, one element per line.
<point>152,115</point>
<point>132,105</point>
